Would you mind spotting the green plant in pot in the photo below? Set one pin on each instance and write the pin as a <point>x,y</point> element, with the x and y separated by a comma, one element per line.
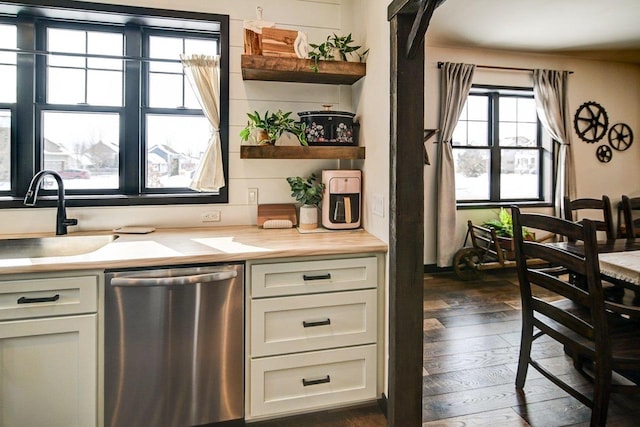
<point>309,193</point>
<point>504,231</point>
<point>334,47</point>
<point>268,128</point>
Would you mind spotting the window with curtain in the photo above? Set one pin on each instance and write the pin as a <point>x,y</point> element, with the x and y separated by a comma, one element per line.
<point>114,113</point>
<point>501,153</point>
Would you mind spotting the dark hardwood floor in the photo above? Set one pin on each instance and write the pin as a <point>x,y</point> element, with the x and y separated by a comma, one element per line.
<point>471,343</point>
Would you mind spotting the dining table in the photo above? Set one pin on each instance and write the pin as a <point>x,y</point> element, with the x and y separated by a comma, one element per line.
<point>619,258</point>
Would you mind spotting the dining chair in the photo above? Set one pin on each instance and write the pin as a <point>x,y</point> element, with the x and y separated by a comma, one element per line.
<point>589,327</point>
<point>579,209</point>
<point>631,225</point>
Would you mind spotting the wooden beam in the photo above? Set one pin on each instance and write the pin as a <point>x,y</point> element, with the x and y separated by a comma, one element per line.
<point>420,25</point>
<point>405,7</point>
<point>406,230</point>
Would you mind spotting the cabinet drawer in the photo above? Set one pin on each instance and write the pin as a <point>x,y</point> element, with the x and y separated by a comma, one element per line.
<point>313,276</point>
<point>312,380</point>
<point>313,322</point>
<point>57,296</point>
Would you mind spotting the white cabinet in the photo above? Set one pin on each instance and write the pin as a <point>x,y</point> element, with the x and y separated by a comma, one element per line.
<point>49,351</point>
<point>312,339</point>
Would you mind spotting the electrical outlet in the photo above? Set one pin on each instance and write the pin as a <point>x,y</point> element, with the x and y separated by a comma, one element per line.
<point>210,216</point>
<point>252,196</point>
<point>378,205</point>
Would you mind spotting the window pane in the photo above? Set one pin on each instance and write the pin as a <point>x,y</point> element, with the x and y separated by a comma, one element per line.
<point>199,46</point>
<point>101,43</point>
<point>174,147</point>
<point>165,90</point>
<point>472,173</point>
<point>65,86</point>
<point>72,41</point>
<point>508,109</point>
<point>5,150</point>
<point>8,64</point>
<point>527,110</point>
<point>165,48</point>
<point>519,174</point>
<point>478,134</point>
<point>83,147</point>
<point>478,107</point>
<point>459,137</point>
<point>104,87</point>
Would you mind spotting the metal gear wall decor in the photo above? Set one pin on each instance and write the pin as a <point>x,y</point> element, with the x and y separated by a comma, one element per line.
<point>604,153</point>
<point>591,122</point>
<point>620,136</point>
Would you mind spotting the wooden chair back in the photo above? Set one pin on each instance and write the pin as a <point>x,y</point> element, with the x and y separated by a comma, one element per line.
<point>572,212</point>
<point>631,224</point>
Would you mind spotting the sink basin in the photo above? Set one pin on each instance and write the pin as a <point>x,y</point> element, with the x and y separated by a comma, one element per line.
<point>39,247</point>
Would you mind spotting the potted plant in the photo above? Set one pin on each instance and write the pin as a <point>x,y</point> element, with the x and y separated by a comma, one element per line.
<point>309,193</point>
<point>269,128</point>
<point>335,47</point>
<point>504,231</point>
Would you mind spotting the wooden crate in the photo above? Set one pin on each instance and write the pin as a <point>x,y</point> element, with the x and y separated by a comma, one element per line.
<point>279,42</point>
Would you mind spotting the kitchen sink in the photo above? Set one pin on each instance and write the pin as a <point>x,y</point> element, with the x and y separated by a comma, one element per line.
<point>39,247</point>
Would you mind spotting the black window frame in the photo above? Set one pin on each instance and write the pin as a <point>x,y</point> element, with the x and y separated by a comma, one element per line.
<point>31,17</point>
<point>494,94</point>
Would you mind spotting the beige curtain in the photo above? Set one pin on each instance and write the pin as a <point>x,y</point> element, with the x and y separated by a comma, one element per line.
<point>455,84</point>
<point>550,89</point>
<point>203,73</point>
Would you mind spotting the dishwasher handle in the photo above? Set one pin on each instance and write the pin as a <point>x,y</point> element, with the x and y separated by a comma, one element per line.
<point>175,280</point>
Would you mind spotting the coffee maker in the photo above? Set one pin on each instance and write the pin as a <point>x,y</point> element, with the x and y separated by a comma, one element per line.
<point>341,202</point>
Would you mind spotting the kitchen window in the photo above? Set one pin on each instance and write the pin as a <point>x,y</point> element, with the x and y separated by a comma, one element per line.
<point>106,103</point>
<point>501,154</point>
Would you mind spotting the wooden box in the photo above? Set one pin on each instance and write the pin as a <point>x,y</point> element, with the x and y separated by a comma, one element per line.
<point>278,42</point>
<point>276,211</point>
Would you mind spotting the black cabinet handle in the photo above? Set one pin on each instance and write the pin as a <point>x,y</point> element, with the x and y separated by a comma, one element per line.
<point>324,380</point>
<point>316,323</point>
<point>318,277</point>
<point>25,300</point>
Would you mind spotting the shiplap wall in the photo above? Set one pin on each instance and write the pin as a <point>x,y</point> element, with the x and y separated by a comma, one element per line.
<point>318,19</point>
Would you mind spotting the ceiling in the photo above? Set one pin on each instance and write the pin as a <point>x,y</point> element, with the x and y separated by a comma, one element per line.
<point>599,29</point>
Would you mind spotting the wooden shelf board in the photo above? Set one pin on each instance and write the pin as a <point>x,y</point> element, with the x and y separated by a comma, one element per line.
<point>300,152</point>
<point>273,68</point>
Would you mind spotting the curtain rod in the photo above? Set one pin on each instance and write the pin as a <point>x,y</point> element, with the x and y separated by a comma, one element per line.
<point>496,67</point>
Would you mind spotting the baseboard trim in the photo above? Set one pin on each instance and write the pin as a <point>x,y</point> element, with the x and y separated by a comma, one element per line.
<point>433,268</point>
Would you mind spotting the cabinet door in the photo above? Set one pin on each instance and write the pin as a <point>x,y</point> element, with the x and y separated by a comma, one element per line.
<point>48,372</point>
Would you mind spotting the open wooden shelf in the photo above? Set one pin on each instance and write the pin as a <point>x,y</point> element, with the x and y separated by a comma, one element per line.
<point>300,152</point>
<point>273,68</point>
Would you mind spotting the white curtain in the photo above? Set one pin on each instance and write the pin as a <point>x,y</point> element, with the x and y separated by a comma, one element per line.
<point>203,73</point>
<point>455,84</point>
<point>550,90</point>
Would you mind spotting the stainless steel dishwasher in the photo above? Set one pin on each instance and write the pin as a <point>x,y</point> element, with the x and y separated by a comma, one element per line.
<point>174,346</point>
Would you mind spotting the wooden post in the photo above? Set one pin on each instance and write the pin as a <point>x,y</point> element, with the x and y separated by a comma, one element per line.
<point>406,239</point>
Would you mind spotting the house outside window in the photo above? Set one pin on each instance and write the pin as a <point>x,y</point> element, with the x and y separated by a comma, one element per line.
<point>501,154</point>
<point>114,113</point>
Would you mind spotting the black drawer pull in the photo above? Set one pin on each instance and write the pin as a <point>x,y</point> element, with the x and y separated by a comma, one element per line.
<point>25,300</point>
<point>316,323</point>
<point>318,277</point>
<point>324,380</point>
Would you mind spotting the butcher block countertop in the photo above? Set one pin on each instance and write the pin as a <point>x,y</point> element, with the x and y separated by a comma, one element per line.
<point>199,245</point>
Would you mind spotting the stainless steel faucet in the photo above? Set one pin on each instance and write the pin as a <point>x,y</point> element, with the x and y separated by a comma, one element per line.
<point>32,194</point>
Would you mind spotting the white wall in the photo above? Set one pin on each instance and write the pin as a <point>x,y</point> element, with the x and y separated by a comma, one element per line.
<point>318,18</point>
<point>615,86</point>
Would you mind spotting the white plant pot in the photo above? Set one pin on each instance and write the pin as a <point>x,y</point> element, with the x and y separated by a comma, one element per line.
<point>308,217</point>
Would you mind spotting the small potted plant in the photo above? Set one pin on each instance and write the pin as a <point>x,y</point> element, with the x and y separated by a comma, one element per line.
<point>269,128</point>
<point>504,231</point>
<point>335,48</point>
<point>309,193</point>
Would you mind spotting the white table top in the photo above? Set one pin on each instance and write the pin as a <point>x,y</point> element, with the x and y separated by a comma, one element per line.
<point>621,265</point>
